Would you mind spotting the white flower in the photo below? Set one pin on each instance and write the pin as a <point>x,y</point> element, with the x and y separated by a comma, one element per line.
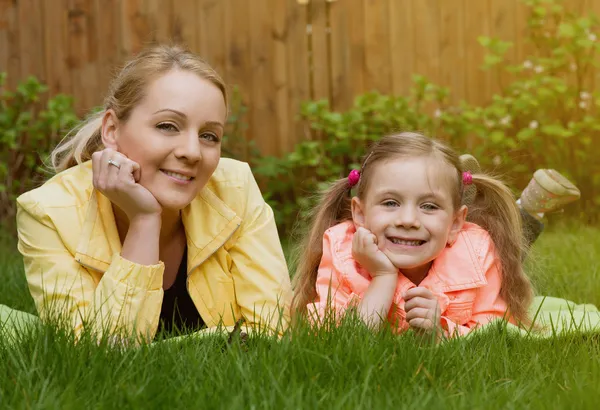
<point>497,160</point>
<point>584,95</point>
<point>527,64</point>
<point>505,120</point>
<point>489,123</point>
<point>437,113</point>
<point>592,37</point>
<point>573,67</point>
<point>538,69</point>
<point>533,124</point>
<point>583,105</point>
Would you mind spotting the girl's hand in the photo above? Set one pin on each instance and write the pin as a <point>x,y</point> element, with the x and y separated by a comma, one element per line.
<point>370,257</point>
<point>422,310</point>
<point>118,181</point>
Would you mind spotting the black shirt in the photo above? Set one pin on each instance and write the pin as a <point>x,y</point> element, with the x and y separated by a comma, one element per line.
<point>178,313</point>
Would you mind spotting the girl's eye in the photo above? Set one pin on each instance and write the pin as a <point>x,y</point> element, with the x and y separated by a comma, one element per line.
<point>209,136</point>
<point>430,207</point>
<point>167,126</point>
<point>390,203</point>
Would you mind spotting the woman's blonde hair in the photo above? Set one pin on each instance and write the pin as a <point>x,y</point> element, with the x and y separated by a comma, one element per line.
<point>125,92</point>
<point>494,209</point>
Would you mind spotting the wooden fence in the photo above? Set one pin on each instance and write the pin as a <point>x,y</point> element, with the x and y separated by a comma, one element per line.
<point>279,52</point>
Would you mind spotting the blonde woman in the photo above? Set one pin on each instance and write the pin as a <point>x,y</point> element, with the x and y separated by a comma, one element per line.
<point>145,227</point>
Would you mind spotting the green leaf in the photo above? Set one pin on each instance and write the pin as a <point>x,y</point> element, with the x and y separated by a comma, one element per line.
<point>566,30</point>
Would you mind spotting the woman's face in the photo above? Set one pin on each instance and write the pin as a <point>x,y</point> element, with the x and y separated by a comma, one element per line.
<point>174,134</point>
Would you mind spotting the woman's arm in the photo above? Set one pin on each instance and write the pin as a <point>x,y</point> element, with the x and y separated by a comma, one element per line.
<point>126,298</point>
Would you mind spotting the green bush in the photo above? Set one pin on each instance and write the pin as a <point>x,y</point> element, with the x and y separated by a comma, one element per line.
<point>28,132</point>
<point>544,117</point>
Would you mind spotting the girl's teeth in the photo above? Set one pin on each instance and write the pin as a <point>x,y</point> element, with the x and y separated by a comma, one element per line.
<point>407,243</point>
<point>178,176</point>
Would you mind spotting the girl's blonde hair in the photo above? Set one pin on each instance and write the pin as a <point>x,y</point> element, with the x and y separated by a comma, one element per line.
<point>125,92</point>
<point>494,209</point>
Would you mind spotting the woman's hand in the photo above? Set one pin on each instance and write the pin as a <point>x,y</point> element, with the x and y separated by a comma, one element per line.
<point>366,252</point>
<point>422,310</point>
<point>116,176</point>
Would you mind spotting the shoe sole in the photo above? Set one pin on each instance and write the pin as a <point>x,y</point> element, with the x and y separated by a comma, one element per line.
<point>556,184</point>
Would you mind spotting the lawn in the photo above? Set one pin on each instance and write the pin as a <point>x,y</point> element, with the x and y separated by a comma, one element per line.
<point>347,368</point>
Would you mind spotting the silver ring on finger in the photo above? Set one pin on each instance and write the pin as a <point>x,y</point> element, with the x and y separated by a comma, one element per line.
<point>114,163</point>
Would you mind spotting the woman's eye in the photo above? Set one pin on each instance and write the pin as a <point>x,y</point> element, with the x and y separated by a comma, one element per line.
<point>166,126</point>
<point>209,136</point>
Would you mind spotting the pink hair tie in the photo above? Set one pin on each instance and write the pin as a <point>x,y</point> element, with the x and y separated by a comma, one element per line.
<point>353,177</point>
<point>467,178</point>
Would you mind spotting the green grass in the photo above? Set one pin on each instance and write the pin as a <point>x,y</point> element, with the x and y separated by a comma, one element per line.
<point>346,368</point>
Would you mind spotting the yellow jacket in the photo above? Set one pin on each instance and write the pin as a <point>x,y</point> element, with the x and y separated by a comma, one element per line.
<point>71,250</point>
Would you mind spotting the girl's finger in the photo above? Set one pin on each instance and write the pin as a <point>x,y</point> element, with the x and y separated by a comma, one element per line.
<point>417,302</point>
<point>421,323</point>
<point>419,291</point>
<point>416,313</point>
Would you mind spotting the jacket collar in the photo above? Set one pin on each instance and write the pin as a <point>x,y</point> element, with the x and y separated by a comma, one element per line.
<point>459,266</point>
<point>208,222</point>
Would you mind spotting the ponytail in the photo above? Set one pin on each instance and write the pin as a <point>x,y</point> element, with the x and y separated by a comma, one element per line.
<point>333,208</point>
<point>495,210</point>
<point>79,144</point>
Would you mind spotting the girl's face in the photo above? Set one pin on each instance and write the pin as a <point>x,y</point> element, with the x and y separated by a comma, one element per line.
<point>174,134</point>
<point>408,206</point>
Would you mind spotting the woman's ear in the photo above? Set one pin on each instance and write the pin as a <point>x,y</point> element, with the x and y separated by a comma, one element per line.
<point>457,224</point>
<point>358,214</point>
<point>110,127</point>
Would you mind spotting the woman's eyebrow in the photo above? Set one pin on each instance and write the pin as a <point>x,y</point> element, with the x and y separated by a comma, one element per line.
<point>214,124</point>
<point>179,113</point>
<point>182,115</point>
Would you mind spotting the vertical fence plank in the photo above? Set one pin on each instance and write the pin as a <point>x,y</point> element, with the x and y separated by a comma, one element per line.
<point>341,52</point>
<point>378,65</point>
<point>476,24</point>
<point>320,49</point>
<point>425,16</point>
<point>503,27</point>
<point>238,73</point>
<point>210,25</point>
<point>11,35</point>
<point>82,43</point>
<point>262,104</point>
<point>31,44</point>
<point>452,48</point>
<point>280,77</point>
<point>402,45</point>
<point>108,33</point>
<point>5,9</point>
<point>184,26</point>
<point>297,66</point>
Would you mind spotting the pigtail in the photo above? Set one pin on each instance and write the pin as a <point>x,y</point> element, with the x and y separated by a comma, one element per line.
<point>495,210</point>
<point>333,208</point>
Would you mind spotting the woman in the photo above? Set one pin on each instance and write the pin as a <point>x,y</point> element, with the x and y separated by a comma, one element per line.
<point>145,227</point>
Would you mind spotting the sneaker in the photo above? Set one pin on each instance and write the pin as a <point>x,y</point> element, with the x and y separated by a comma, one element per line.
<point>548,191</point>
<point>469,163</point>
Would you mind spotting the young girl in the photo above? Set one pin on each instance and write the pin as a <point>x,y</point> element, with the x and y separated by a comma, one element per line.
<point>408,250</point>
